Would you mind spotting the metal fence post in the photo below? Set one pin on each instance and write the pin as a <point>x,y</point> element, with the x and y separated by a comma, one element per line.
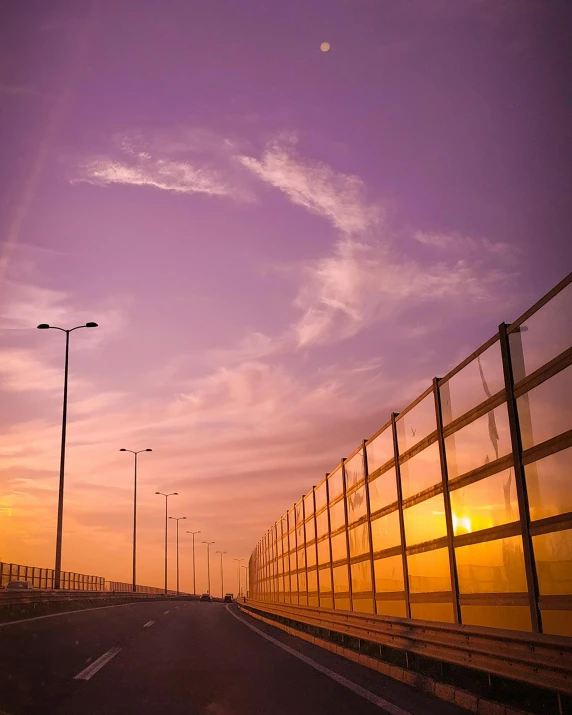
<point>347,538</point>
<point>368,507</point>
<point>401,519</point>
<point>316,543</point>
<point>520,481</point>
<point>305,547</point>
<point>330,539</point>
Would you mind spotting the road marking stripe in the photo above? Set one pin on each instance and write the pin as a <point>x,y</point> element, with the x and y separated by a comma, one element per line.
<point>149,623</point>
<point>98,664</point>
<point>366,694</point>
<point>165,613</point>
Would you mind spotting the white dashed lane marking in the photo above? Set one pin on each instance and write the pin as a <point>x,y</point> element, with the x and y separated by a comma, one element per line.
<point>98,664</point>
<point>149,623</point>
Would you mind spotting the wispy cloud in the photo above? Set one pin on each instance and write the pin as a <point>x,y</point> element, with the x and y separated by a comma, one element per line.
<point>463,244</point>
<point>338,197</point>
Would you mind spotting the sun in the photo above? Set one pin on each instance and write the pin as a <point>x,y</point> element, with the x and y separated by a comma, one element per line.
<point>325,46</point>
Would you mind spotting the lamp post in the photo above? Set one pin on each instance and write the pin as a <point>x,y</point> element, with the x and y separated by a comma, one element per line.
<point>58,569</point>
<point>221,574</point>
<point>208,543</point>
<point>166,501</point>
<point>239,560</point>
<point>135,513</point>
<point>245,579</point>
<point>177,519</point>
<point>194,580</point>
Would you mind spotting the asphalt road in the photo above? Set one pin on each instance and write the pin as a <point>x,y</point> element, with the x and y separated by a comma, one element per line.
<point>185,658</point>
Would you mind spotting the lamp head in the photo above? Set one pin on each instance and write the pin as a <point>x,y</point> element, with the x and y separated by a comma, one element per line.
<point>43,326</point>
<point>157,492</point>
<point>123,449</point>
<point>91,325</point>
<point>148,450</point>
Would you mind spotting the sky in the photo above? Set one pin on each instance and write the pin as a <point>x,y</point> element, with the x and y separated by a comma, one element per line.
<point>281,246</point>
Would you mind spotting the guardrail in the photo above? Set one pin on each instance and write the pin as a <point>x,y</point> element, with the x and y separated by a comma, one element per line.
<point>537,660</point>
<point>44,578</point>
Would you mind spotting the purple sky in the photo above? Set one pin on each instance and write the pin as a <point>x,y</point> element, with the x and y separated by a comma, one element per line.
<point>281,245</point>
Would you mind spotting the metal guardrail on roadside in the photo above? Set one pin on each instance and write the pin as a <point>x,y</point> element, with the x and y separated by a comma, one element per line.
<point>537,659</point>
<point>9,598</point>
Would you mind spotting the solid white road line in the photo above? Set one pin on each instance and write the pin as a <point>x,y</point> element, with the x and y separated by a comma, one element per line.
<point>366,694</point>
<point>149,623</point>
<point>98,664</point>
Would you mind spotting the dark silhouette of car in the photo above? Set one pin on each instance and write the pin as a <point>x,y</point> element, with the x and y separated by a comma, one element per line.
<point>206,597</point>
<point>228,598</point>
<point>19,586</point>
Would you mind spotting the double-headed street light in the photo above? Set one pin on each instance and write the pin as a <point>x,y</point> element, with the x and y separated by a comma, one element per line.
<point>194,579</point>
<point>208,543</point>
<point>221,574</point>
<point>177,519</point>
<point>58,569</point>
<point>173,494</point>
<point>135,512</point>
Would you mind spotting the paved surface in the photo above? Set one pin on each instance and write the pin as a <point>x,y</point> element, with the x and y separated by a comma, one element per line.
<point>186,658</point>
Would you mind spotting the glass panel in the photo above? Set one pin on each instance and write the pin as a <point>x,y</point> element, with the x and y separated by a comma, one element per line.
<point>546,410</point>
<point>429,571</point>
<point>324,551</point>
<point>416,424</point>
<point>421,471</point>
<point>293,563</point>
<point>302,581</point>
<point>363,605</point>
<point>361,577</point>
<point>492,567</point>
<point>322,523</point>
<point>283,525</point>
<point>548,485</point>
<point>339,547</point>
<point>311,555</point>
<point>357,506</point>
<point>425,521</point>
<point>558,623</point>
<point>343,604</point>
<point>310,530</point>
<point>337,515</point>
<point>553,555</point>
<point>543,336</point>
<point>298,512</point>
<point>300,534</point>
<point>380,450</point>
<point>354,469</point>
<point>335,484</point>
<point>320,496</point>
<point>475,383</point>
<point>341,579</point>
<point>391,608</point>
<point>359,541</point>
<point>480,442</point>
<point>325,576</point>
<point>383,490</point>
<point>389,574</point>
<point>442,612</point>
<point>489,502</point>
<point>385,531</point>
<point>312,580</point>
<point>309,504</point>
<point>301,558</point>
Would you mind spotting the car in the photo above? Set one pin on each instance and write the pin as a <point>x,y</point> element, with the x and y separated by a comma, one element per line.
<point>228,598</point>
<point>19,586</point>
<point>206,597</point>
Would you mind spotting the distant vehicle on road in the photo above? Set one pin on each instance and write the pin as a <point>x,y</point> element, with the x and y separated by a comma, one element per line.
<point>206,597</point>
<point>19,586</point>
<point>228,598</point>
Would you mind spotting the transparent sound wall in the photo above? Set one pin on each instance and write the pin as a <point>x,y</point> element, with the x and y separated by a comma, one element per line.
<point>459,509</point>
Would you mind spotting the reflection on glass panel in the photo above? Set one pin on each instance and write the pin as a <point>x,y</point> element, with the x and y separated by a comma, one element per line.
<point>310,530</point>
<point>514,618</point>
<point>342,603</point>
<point>491,567</point>
<point>320,496</point>
<point>341,579</point>
<point>442,612</point>
<point>361,577</point>
<point>429,571</point>
<point>359,540</point>
<point>546,410</point>
<point>548,485</point>
<point>383,490</point>
<point>558,623</point>
<point>489,502</point>
<point>337,515</point>
<point>311,555</point>
<point>312,580</point>
<point>298,514</point>
<point>385,531</point>
<point>421,471</point>
<point>300,534</point>
<point>280,565</point>
<point>475,383</point>
<point>553,556</point>
<point>363,605</point>
<point>302,581</point>
<point>391,608</point>
<point>543,336</point>
<point>293,562</point>
<point>416,424</point>
<point>425,521</point>
<point>339,547</point>
<point>354,469</point>
<point>380,450</point>
<point>480,442</point>
<point>335,484</point>
<point>324,551</point>
<point>301,558</point>
<point>357,506</point>
<point>309,504</point>
<point>322,523</point>
<point>325,577</point>
<point>283,525</point>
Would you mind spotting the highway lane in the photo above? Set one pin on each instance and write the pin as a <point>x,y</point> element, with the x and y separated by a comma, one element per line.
<point>187,658</point>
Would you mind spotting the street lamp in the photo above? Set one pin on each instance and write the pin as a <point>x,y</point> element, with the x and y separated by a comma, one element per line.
<point>208,543</point>
<point>245,579</point>
<point>173,494</point>
<point>194,580</point>
<point>221,574</point>
<point>177,519</point>
<point>135,512</point>
<point>58,569</point>
<point>239,560</point>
